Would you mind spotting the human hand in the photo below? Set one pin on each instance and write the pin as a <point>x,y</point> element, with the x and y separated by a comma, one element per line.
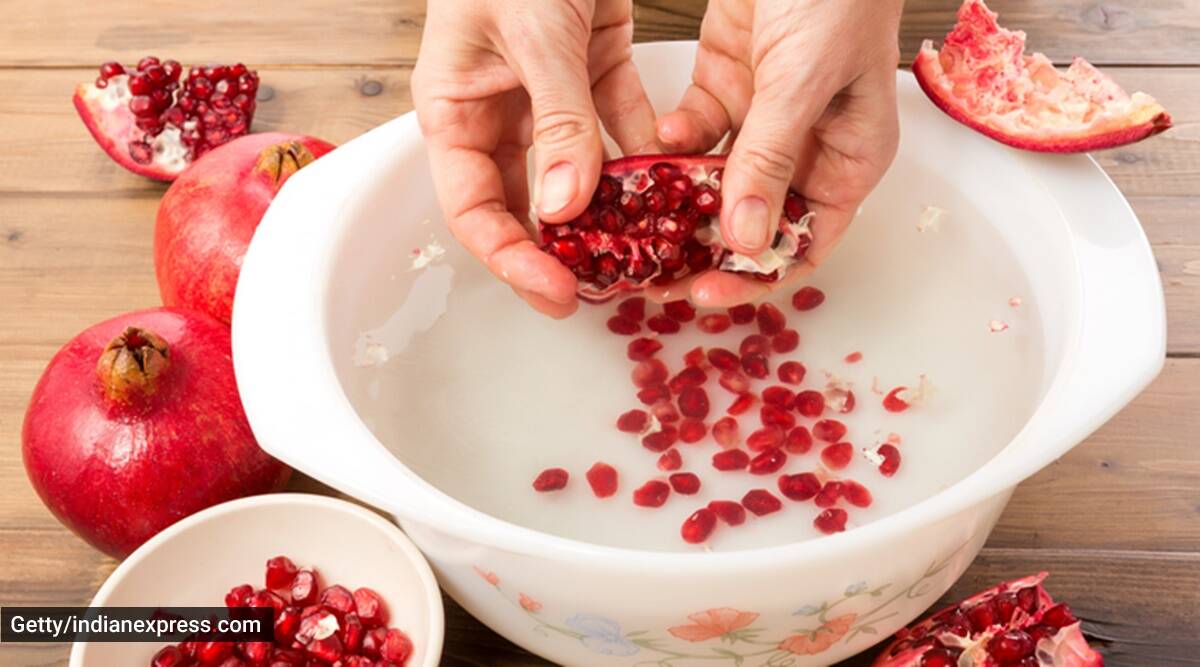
<point>808,89</point>
<point>494,78</point>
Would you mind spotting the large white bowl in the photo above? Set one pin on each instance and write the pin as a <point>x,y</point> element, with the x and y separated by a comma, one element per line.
<point>323,267</point>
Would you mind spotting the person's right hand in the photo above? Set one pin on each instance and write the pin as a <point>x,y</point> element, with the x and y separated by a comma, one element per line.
<point>494,77</point>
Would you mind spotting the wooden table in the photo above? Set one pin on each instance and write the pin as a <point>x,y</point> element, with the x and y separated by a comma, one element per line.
<point>1117,521</point>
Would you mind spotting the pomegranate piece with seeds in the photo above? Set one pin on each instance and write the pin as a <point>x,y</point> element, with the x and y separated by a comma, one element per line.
<point>685,483</point>
<point>731,459</point>
<point>761,502</point>
<point>697,527</point>
<point>832,520</point>
<point>1015,623</point>
<point>603,479</point>
<point>983,78</point>
<point>652,494</point>
<point>792,372</point>
<point>807,298</point>
<point>732,513</point>
<point>641,349</point>
<point>155,121</point>
<point>799,487</point>
<point>550,479</point>
<point>652,220</point>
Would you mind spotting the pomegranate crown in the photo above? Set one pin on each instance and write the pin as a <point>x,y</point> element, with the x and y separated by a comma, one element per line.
<point>132,365</point>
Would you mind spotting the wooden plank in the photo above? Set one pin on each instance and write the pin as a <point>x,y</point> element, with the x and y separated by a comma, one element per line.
<point>387,32</point>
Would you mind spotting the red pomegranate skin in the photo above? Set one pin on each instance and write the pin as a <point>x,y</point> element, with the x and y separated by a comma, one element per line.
<point>208,216</point>
<point>117,473</point>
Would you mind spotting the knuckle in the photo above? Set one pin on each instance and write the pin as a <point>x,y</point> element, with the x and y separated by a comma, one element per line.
<point>769,162</point>
<point>561,128</point>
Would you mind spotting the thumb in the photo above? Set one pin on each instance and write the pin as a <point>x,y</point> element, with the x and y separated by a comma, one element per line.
<point>566,134</point>
<point>763,160</point>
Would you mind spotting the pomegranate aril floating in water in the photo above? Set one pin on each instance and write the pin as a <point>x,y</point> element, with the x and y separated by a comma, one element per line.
<point>697,527</point>
<point>893,403</point>
<point>725,432</point>
<point>734,382</point>
<point>761,502</point>
<point>680,311</point>
<point>649,373</point>
<point>853,358</point>
<point>741,404</point>
<point>661,440</point>
<point>651,494</point>
<point>837,455</point>
<point>663,325</point>
<point>773,415</point>
<point>603,479</point>
<point>714,323</point>
<point>810,403</point>
<point>755,343</point>
<point>623,326</point>
<point>665,412</point>
<point>685,483</point>
<point>743,313</point>
<point>777,395</point>
<point>755,365</point>
<point>799,487</point>
<point>891,459</point>
<point>791,372</point>
<point>654,395</point>
<point>769,461</point>
<point>670,460</point>
<point>856,494</point>
<point>692,430</point>
<point>693,402</point>
<point>550,479</point>
<point>798,441</point>
<point>829,494</point>
<point>832,520</point>
<point>641,228</point>
<point>807,298</point>
<point>731,459</point>
<point>688,377</point>
<point>768,437</point>
<point>641,349</point>
<point>634,421</point>
<point>785,341</point>
<point>723,359</point>
<point>732,513</point>
<point>770,319</point>
<point>633,308</point>
<point>695,358</point>
<point>829,430</point>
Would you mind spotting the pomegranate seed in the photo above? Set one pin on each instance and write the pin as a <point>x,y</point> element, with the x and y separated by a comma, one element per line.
<point>649,373</point>
<point>856,494</point>
<point>692,430</point>
<point>763,439</point>
<point>693,402</point>
<point>798,441</point>
<point>732,513</point>
<point>734,382</point>
<point>893,403</point>
<point>829,430</point>
<point>338,599</point>
<point>697,527</point>
<point>939,657</point>
<point>1010,646</point>
<point>770,319</point>
<point>754,343</point>
<point>810,403</point>
<point>769,461</point>
<point>680,311</point>
<point>981,616</point>
<point>755,365</point>
<point>688,377</point>
<point>853,358</point>
<point>714,323</point>
<point>829,494</point>
<point>1058,616</point>
<point>773,415</point>
<point>550,479</point>
<point>686,483</point>
<point>641,349</point>
<point>743,313</point>
<point>656,394</point>
<point>170,656</point>
<point>634,421</point>
<point>831,521</point>
<point>741,404</point>
<point>663,324</point>
<point>661,440</point>
<point>397,647</point>
<point>730,459</point>
<point>695,358</point>
<point>238,595</point>
<point>843,399</point>
<point>807,298</point>
<point>280,572</point>
<point>665,412</point>
<point>785,341</point>
<point>212,653</point>
<point>792,372</point>
<point>761,502</point>
<point>603,479</point>
<point>633,308</point>
<point>723,359</point>
<point>371,645</point>
<point>670,460</point>
<point>305,588</point>
<point>838,455</point>
<point>778,395</point>
<point>891,459</point>
<point>800,487</point>
<point>257,653</point>
<point>264,599</point>
<point>623,326</point>
<point>370,607</point>
<point>651,494</point>
<point>725,432</point>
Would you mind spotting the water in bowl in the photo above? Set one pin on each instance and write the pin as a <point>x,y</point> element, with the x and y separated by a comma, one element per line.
<point>477,393</point>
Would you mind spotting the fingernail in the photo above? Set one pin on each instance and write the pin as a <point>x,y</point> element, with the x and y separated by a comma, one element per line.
<point>559,186</point>
<point>750,223</point>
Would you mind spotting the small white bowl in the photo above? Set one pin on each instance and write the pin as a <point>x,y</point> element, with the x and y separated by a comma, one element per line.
<point>197,560</point>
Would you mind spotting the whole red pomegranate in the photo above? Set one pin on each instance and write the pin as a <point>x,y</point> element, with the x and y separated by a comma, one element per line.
<point>1015,624</point>
<point>136,423</point>
<point>653,220</point>
<point>209,214</point>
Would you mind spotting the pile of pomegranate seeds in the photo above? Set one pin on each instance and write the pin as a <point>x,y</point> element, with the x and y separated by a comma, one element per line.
<point>313,626</point>
<point>770,419</point>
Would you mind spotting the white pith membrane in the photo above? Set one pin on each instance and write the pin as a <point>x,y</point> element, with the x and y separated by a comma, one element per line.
<point>777,258</point>
<point>983,72</point>
<point>110,112</point>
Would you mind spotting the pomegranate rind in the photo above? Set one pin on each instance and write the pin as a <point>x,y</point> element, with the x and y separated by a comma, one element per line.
<point>106,115</point>
<point>983,78</point>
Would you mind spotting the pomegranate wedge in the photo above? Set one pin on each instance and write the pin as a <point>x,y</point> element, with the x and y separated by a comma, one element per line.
<point>653,220</point>
<point>983,78</point>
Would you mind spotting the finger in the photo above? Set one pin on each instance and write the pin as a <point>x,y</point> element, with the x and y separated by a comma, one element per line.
<point>721,289</point>
<point>828,225</point>
<point>764,157</point>
<point>716,101</point>
<point>566,135</point>
<point>510,159</point>
<point>679,289</point>
<point>620,97</point>
<point>547,307</point>
<point>477,215</point>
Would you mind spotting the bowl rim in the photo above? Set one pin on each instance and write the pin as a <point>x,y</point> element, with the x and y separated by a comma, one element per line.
<point>431,600</point>
<point>265,309</point>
